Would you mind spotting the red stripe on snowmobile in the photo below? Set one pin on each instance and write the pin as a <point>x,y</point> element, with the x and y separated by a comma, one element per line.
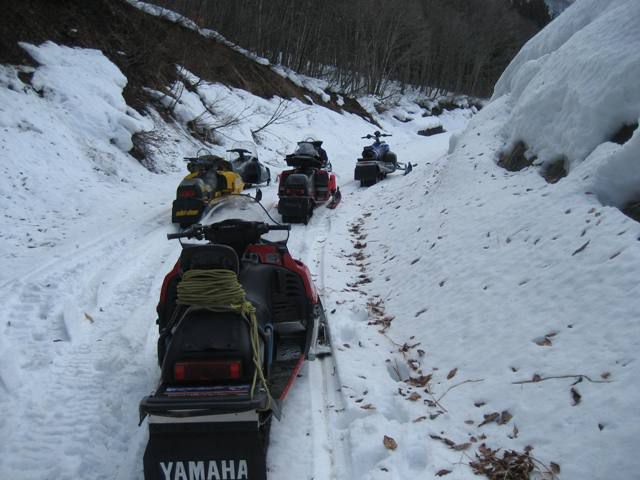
<point>293,376</point>
<point>165,284</point>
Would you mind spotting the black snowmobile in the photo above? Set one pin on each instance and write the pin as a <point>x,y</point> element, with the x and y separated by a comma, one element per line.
<point>377,161</point>
<point>237,318</point>
<point>309,184</point>
<point>244,159</point>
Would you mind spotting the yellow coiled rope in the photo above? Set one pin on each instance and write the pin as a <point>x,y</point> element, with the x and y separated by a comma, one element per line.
<point>219,291</point>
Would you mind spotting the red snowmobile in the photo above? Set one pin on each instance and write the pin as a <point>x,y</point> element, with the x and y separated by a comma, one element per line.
<point>237,318</point>
<point>309,184</point>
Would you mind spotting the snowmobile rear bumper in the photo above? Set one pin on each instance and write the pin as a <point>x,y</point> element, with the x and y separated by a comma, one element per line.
<point>194,407</point>
<point>208,437</point>
<point>366,171</point>
<point>187,211</point>
<point>223,446</point>
<point>294,206</point>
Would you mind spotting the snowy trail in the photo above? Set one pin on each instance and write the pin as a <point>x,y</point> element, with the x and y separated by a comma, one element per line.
<point>310,426</point>
<point>79,329</point>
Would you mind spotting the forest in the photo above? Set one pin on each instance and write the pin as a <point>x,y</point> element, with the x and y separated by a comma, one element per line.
<point>359,47</point>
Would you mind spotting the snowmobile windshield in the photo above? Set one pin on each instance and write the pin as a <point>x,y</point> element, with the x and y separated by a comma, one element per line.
<point>249,148</point>
<point>247,208</point>
<point>306,148</point>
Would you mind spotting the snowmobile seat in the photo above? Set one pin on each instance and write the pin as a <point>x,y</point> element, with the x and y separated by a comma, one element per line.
<point>298,181</point>
<point>369,153</point>
<point>209,257</point>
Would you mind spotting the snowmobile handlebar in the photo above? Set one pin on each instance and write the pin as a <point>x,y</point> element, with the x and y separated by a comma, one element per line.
<point>228,228</point>
<point>376,135</point>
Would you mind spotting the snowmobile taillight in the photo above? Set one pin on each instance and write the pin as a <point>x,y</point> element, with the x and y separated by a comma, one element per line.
<point>294,191</point>
<point>207,370</point>
<point>187,193</point>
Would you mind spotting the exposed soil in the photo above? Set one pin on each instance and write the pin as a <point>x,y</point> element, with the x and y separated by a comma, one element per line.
<point>144,47</point>
<point>515,159</point>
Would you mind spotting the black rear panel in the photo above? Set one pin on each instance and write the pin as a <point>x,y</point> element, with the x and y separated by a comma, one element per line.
<point>231,450</point>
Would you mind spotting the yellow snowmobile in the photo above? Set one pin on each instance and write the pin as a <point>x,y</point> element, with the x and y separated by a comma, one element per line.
<point>210,178</point>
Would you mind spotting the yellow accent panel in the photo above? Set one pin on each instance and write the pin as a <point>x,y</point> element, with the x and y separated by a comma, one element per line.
<point>186,213</point>
<point>233,179</point>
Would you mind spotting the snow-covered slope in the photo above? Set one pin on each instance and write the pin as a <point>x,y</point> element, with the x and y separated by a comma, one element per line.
<point>489,307</point>
<point>572,87</point>
<point>468,305</point>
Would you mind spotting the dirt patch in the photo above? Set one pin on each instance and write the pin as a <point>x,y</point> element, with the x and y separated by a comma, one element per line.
<point>632,210</point>
<point>555,170</point>
<point>625,133</point>
<point>428,132</point>
<point>145,48</point>
<point>515,159</point>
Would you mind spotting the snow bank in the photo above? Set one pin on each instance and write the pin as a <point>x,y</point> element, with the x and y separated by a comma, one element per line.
<point>94,96</point>
<point>64,133</point>
<point>511,303</point>
<point>574,85</point>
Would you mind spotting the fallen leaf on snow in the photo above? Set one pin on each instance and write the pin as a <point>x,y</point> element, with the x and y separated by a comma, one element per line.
<point>420,381</point>
<point>490,417</point>
<point>452,374</point>
<point>389,443</point>
<point>505,416</point>
<point>461,446</point>
<point>442,473</point>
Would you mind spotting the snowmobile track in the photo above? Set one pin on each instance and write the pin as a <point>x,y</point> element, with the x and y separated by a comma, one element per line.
<point>79,326</point>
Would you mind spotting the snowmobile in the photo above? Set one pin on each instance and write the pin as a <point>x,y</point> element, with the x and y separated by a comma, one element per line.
<point>210,178</point>
<point>307,185</point>
<point>377,161</point>
<point>237,318</point>
<point>244,159</point>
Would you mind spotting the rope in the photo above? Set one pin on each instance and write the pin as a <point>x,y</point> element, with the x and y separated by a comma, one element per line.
<point>219,291</point>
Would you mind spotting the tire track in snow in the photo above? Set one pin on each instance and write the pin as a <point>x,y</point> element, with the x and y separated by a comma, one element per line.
<point>82,374</point>
<point>310,418</point>
<point>330,451</point>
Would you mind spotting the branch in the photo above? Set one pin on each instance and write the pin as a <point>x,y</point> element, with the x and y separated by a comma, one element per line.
<point>457,385</point>
<point>279,116</point>
<point>579,376</point>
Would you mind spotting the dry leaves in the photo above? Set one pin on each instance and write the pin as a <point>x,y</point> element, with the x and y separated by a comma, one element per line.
<point>389,443</point>
<point>505,416</point>
<point>420,381</point>
<point>500,418</point>
<point>512,465</point>
<point>442,473</point>
<point>452,374</point>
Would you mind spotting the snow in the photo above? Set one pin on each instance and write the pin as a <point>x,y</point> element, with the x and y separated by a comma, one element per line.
<point>560,69</point>
<point>482,278</point>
